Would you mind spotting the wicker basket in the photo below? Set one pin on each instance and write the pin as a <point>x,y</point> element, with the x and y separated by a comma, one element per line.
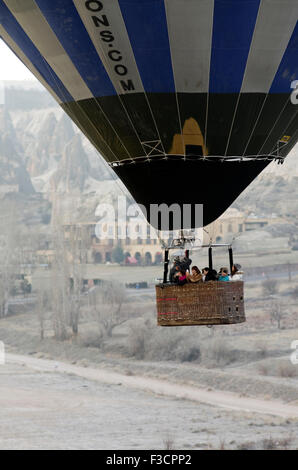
<point>208,303</point>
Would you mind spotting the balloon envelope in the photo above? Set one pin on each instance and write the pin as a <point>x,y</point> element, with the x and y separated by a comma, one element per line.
<point>187,100</point>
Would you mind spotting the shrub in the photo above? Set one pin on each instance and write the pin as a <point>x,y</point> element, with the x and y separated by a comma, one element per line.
<point>285,442</point>
<point>222,444</point>
<point>163,344</point>
<point>295,292</point>
<point>136,341</point>
<point>90,339</point>
<point>188,353</point>
<point>263,369</point>
<point>247,446</point>
<point>168,442</point>
<point>145,341</point>
<point>269,444</point>
<point>218,352</point>
<point>277,313</point>
<point>270,287</point>
<point>261,348</point>
<point>286,369</point>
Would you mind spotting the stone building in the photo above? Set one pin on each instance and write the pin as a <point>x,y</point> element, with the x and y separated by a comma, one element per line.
<point>233,222</point>
<point>147,250</point>
<point>143,250</point>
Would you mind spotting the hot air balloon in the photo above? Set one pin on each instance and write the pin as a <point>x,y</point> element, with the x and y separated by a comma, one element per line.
<point>185,99</point>
<point>193,93</point>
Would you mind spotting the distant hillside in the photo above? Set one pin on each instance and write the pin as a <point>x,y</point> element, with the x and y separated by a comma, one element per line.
<point>13,174</point>
<point>49,152</point>
<point>275,191</point>
<point>43,132</point>
<point>26,95</point>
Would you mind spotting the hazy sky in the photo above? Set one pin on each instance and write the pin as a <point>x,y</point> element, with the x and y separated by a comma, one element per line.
<point>11,67</point>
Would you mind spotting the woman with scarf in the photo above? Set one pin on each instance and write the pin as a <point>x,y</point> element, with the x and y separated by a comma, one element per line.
<point>195,275</point>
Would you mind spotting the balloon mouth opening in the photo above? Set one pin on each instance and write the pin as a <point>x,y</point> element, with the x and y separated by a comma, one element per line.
<point>195,157</point>
<point>201,190</point>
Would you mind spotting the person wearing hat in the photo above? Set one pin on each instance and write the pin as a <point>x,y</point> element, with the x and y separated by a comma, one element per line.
<point>236,274</point>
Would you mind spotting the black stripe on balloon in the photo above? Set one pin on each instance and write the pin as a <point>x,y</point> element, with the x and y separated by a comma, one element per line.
<point>83,122</point>
<point>247,113</point>
<point>124,132</point>
<point>221,109</point>
<point>165,112</point>
<point>272,108</point>
<point>282,127</point>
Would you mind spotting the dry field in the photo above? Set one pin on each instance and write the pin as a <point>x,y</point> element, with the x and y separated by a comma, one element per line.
<point>52,409</point>
<point>250,361</point>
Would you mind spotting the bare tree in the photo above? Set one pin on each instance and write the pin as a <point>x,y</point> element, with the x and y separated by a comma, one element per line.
<point>277,313</point>
<point>60,283</point>
<point>43,305</point>
<point>10,254</point>
<point>77,254</point>
<point>71,244</point>
<point>270,287</point>
<point>107,302</point>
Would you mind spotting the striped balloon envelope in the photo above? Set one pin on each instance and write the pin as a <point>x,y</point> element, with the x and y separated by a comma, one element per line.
<point>187,100</point>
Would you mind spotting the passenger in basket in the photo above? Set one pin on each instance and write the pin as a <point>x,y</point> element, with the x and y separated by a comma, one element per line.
<point>185,263</point>
<point>173,273</point>
<point>195,275</point>
<point>204,273</point>
<point>210,275</point>
<point>224,274</point>
<point>236,274</point>
<point>181,278</point>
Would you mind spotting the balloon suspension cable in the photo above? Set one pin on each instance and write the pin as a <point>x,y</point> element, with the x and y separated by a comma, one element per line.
<point>184,240</point>
<point>166,267</point>
<point>279,146</point>
<point>231,258</point>
<point>210,258</point>
<point>210,238</point>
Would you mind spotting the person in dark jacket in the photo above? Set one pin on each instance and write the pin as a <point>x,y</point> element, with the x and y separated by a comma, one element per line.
<point>173,272</point>
<point>181,278</point>
<point>174,269</point>
<point>185,264</point>
<point>211,275</point>
<point>179,264</point>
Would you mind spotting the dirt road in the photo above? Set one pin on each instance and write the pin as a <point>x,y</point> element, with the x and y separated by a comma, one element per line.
<point>52,405</point>
<point>227,400</point>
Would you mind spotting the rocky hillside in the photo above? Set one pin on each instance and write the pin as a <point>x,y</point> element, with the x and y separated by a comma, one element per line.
<point>48,153</point>
<point>55,153</point>
<point>45,137</point>
<point>275,191</point>
<point>14,176</point>
<point>73,169</point>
